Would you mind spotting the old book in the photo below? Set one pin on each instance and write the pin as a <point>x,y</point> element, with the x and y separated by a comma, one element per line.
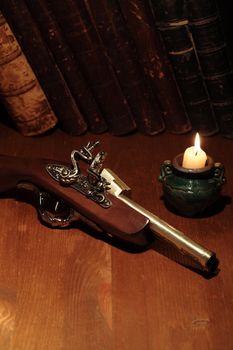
<point>80,34</point>
<point>171,20</point>
<point>153,59</point>
<point>123,57</point>
<point>67,64</point>
<point>52,81</point>
<point>211,46</point>
<point>20,91</point>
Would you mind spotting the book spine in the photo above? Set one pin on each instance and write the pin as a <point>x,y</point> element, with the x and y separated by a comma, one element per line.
<point>80,34</point>
<point>207,30</point>
<point>123,58</point>
<point>157,68</point>
<point>171,20</point>
<point>20,91</point>
<point>22,24</point>
<point>67,64</point>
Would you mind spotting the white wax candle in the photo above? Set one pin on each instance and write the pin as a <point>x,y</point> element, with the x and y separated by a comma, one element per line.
<point>194,157</point>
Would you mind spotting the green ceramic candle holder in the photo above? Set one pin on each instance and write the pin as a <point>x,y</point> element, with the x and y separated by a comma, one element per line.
<point>191,191</point>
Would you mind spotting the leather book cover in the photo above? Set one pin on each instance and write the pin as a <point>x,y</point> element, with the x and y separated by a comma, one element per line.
<point>20,91</point>
<point>124,59</point>
<point>82,37</point>
<point>207,28</point>
<point>171,20</point>
<point>67,64</point>
<point>41,60</point>
<point>153,58</point>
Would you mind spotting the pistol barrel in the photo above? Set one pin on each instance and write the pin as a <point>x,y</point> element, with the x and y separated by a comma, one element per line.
<point>205,258</point>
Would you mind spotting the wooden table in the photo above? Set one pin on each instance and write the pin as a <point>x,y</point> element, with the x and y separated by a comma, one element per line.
<point>73,290</point>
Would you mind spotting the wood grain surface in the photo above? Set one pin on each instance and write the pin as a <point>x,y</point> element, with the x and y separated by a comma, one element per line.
<point>75,289</point>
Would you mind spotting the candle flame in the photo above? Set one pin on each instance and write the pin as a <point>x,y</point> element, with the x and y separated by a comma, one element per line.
<point>197,143</point>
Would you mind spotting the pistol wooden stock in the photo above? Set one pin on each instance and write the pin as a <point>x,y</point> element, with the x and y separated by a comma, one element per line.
<point>119,219</point>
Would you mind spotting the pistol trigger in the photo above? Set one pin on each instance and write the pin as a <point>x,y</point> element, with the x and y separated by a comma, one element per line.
<point>54,212</point>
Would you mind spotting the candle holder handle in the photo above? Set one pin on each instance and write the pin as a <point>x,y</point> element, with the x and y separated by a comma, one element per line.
<point>219,174</point>
<point>166,169</point>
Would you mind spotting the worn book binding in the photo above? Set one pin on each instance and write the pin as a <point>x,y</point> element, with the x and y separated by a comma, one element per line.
<point>20,90</point>
<point>41,60</point>
<point>209,37</point>
<point>81,35</point>
<point>171,20</point>
<point>157,68</point>
<point>124,60</point>
<point>67,64</point>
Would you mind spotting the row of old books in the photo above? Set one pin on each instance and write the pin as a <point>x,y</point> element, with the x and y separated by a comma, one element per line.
<point>115,66</point>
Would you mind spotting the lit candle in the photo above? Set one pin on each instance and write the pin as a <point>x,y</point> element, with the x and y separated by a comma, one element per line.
<point>194,157</point>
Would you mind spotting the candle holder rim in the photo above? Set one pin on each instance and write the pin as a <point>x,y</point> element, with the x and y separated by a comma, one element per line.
<point>177,159</point>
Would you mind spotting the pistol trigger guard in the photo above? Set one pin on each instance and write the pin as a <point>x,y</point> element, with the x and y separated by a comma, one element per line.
<point>54,212</point>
